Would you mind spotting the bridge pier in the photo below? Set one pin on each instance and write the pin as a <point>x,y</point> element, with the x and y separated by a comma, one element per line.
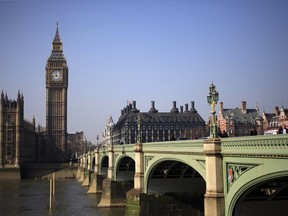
<point>83,166</point>
<point>133,197</point>
<point>88,170</point>
<point>96,182</point>
<point>114,193</point>
<point>78,173</point>
<point>111,162</point>
<point>87,174</point>
<point>214,197</point>
<point>81,177</point>
<point>79,169</point>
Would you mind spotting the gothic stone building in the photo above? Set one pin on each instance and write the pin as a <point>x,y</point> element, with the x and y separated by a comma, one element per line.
<point>56,101</point>
<point>19,140</point>
<point>158,126</point>
<point>107,134</point>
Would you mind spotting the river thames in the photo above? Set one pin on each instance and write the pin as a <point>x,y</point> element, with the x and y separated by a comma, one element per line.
<point>31,197</point>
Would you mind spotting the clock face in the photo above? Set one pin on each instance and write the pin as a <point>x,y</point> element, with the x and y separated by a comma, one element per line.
<point>56,75</point>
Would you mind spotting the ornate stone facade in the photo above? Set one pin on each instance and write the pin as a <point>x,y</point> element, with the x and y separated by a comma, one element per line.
<point>107,135</point>
<point>56,99</point>
<point>19,141</point>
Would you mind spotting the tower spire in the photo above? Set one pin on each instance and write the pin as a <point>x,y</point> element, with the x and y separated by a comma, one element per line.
<point>57,43</point>
<point>57,36</point>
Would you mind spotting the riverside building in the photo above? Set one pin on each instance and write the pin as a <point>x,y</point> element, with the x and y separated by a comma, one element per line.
<point>158,126</point>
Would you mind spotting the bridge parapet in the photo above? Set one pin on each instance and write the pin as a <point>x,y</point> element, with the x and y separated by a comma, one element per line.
<point>256,146</point>
<point>127,149</point>
<point>175,147</point>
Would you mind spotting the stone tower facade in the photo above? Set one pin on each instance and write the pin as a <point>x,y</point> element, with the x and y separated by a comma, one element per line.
<point>56,100</point>
<point>11,121</point>
<point>18,138</point>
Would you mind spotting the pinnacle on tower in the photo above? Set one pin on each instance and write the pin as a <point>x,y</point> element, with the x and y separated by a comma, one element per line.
<point>57,48</point>
<point>57,36</point>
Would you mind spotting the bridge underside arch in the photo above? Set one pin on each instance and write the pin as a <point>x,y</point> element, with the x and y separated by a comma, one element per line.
<point>92,164</point>
<point>178,183</point>
<point>175,176</point>
<point>86,163</point>
<point>125,170</point>
<point>269,197</point>
<point>104,165</point>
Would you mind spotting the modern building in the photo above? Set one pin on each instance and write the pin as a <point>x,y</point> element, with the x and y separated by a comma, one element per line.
<point>56,101</point>
<point>158,126</point>
<point>239,121</point>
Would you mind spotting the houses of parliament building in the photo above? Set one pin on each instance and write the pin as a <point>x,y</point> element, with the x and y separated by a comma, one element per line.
<point>20,140</point>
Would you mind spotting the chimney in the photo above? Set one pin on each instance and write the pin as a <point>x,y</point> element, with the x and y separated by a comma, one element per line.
<point>276,110</point>
<point>243,107</point>
<point>174,109</point>
<point>134,109</point>
<point>134,104</point>
<point>152,109</point>
<point>193,107</point>
<point>186,108</point>
<point>181,109</point>
<point>221,106</point>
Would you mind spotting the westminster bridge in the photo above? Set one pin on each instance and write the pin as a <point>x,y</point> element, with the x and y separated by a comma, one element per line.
<point>228,176</point>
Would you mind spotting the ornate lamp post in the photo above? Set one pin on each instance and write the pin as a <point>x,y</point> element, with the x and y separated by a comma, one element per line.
<point>212,99</point>
<point>139,139</point>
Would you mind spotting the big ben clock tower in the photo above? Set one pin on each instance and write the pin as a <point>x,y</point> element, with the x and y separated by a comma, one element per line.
<point>56,101</point>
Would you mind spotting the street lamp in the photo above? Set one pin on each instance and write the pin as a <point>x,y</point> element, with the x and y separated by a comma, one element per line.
<point>139,139</point>
<point>212,99</point>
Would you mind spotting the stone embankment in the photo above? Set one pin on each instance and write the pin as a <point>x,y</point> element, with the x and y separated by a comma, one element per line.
<point>66,173</point>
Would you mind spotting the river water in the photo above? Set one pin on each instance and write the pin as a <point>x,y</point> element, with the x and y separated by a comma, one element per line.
<point>31,198</point>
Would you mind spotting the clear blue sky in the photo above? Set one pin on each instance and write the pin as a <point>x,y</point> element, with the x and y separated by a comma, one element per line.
<point>162,50</point>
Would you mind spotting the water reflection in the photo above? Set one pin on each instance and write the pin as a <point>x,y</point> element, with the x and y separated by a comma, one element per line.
<point>29,197</point>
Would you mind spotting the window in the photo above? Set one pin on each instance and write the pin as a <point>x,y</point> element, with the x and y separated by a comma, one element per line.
<point>8,150</point>
<point>149,136</point>
<point>155,135</point>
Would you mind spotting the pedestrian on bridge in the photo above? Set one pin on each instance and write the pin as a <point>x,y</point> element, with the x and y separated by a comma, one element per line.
<point>282,129</point>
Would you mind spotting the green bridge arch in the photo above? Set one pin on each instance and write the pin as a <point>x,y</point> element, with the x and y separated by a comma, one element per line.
<point>242,163</point>
<point>268,170</point>
<point>192,162</point>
